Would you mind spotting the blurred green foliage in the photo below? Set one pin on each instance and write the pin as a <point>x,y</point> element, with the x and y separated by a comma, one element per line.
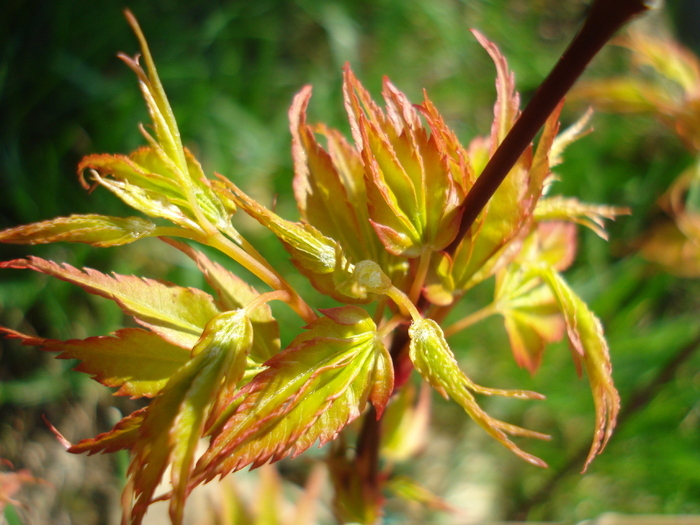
<point>230,70</point>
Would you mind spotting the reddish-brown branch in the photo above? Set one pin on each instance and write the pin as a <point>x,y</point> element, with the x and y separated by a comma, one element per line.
<point>604,19</point>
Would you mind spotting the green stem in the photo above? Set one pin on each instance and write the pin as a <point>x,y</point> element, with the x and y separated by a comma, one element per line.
<point>421,272</point>
<point>253,262</point>
<point>470,320</point>
<point>605,17</point>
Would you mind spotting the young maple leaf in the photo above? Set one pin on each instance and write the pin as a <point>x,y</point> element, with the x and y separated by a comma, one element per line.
<point>307,392</point>
<point>668,89</point>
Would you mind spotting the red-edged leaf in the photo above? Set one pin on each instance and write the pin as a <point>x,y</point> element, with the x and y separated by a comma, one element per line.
<point>233,293</point>
<point>531,316</point>
<point>96,230</point>
<point>318,187</point>
<point>435,361</point>
<point>507,105</point>
<point>177,314</point>
<point>309,392</point>
<point>176,419</point>
<point>121,437</point>
<point>136,361</point>
<point>589,346</point>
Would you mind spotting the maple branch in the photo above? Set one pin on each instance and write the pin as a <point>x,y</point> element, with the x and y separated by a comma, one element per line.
<point>605,17</point>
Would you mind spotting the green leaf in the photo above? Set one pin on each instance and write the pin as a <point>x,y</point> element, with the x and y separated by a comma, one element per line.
<point>176,419</point>
<point>435,361</point>
<point>136,361</point>
<point>177,314</point>
<point>570,209</point>
<point>507,107</point>
<point>492,240</point>
<point>121,437</point>
<point>233,293</point>
<point>96,230</point>
<point>151,183</point>
<point>589,347</point>
<point>531,316</point>
<point>320,190</point>
<point>531,312</point>
<point>310,391</point>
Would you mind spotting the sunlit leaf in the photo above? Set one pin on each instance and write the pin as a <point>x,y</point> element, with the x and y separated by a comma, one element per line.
<point>435,361</point>
<point>590,348</point>
<point>412,195</point>
<point>308,392</point>
<point>177,314</point>
<point>136,361</point>
<point>233,293</point>
<point>319,189</point>
<point>96,230</point>
<point>531,315</point>
<point>122,436</point>
<point>492,240</point>
<point>668,86</point>
<point>176,419</point>
<point>569,209</point>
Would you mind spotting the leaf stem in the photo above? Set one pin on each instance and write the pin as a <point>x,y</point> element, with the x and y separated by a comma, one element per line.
<point>605,17</point>
<point>470,320</point>
<point>421,272</point>
<point>253,262</point>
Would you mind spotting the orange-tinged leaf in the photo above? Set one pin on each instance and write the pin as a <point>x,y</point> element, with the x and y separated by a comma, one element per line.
<point>622,95</point>
<point>531,316</point>
<point>149,182</point>
<point>411,190</point>
<point>176,419</point>
<point>435,361</point>
<point>12,482</point>
<point>136,361</point>
<point>570,209</point>
<point>507,107</point>
<point>177,314</point>
<point>492,240</point>
<point>320,258</point>
<point>96,230</point>
<point>590,347</point>
<point>310,249</point>
<point>318,187</point>
<point>668,87</point>
<point>141,168</point>
<point>122,436</point>
<point>666,245</point>
<point>310,391</point>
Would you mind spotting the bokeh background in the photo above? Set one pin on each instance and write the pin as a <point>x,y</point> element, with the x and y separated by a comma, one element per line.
<point>230,70</point>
